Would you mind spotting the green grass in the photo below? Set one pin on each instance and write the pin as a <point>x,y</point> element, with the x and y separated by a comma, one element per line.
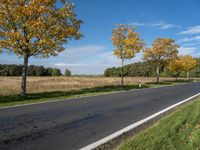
<point>168,83</point>
<point>11,100</point>
<point>59,95</point>
<point>178,131</point>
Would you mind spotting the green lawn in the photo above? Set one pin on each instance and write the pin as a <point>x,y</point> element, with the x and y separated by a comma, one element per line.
<point>11,100</point>
<point>178,131</point>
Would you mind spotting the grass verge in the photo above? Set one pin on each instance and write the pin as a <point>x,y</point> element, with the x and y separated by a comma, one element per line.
<point>11,100</point>
<point>59,95</point>
<point>178,131</point>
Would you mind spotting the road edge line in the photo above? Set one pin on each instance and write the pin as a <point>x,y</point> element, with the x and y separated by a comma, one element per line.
<point>134,125</point>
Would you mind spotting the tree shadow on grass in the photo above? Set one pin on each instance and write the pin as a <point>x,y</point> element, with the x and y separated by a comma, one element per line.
<point>66,94</point>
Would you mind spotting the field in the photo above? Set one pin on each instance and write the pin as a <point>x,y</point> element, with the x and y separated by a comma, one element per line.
<point>11,85</point>
<point>178,131</point>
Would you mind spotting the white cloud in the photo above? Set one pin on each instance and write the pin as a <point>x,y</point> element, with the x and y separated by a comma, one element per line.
<point>137,24</point>
<point>191,39</point>
<point>192,44</point>
<point>187,50</point>
<point>192,30</point>
<point>89,59</point>
<point>62,64</point>
<point>73,54</point>
<point>159,25</point>
<point>163,26</point>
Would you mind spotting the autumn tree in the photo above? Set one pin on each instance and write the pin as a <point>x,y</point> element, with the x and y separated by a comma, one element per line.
<point>162,50</point>
<point>127,43</point>
<point>36,28</point>
<point>176,65</point>
<point>188,63</point>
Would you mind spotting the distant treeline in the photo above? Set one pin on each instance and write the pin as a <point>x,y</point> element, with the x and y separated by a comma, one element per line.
<point>147,69</point>
<point>16,70</point>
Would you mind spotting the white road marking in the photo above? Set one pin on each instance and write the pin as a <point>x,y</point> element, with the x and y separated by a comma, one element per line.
<point>132,126</point>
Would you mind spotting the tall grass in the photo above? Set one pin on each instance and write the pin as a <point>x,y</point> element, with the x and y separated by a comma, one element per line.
<point>11,85</point>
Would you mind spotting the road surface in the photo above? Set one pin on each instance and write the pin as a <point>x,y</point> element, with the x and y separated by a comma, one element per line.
<point>72,124</point>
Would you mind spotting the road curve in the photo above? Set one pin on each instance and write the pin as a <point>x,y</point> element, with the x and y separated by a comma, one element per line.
<point>72,124</point>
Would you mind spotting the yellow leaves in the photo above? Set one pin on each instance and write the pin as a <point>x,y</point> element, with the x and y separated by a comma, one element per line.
<point>130,41</point>
<point>10,42</point>
<point>116,52</point>
<point>126,42</point>
<point>175,65</point>
<point>35,25</point>
<point>71,30</point>
<point>42,9</point>
<point>69,14</point>
<point>162,49</point>
<point>39,26</point>
<point>2,44</point>
<point>47,41</point>
<point>189,63</point>
<point>130,32</point>
<point>182,63</point>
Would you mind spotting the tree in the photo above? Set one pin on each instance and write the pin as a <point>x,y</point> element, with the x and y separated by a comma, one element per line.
<point>127,43</point>
<point>31,71</point>
<point>162,50</point>
<point>196,71</point>
<point>56,72</point>
<point>39,71</point>
<point>67,72</point>
<point>144,69</point>
<point>16,70</point>
<point>49,71</point>
<point>36,28</point>
<point>176,65</point>
<point>189,63</point>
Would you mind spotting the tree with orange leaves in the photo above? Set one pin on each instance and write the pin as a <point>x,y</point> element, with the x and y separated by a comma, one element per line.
<point>188,63</point>
<point>182,63</point>
<point>36,28</point>
<point>176,65</point>
<point>127,43</point>
<point>162,50</point>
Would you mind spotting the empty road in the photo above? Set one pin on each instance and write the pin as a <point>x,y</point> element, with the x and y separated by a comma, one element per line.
<point>72,124</point>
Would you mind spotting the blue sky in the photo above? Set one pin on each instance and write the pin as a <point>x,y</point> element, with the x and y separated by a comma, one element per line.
<point>177,19</point>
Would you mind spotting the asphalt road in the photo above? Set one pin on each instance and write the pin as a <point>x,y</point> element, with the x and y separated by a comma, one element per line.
<point>72,124</point>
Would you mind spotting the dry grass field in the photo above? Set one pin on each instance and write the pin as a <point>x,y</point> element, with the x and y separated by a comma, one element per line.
<point>11,85</point>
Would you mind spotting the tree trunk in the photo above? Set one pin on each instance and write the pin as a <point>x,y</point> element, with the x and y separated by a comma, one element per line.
<point>188,75</point>
<point>158,74</point>
<point>176,76</point>
<point>24,74</point>
<point>122,73</point>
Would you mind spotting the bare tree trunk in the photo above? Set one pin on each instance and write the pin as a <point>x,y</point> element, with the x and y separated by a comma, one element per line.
<point>24,74</point>
<point>158,74</point>
<point>122,73</point>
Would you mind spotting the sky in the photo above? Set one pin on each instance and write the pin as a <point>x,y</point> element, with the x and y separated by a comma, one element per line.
<point>177,19</point>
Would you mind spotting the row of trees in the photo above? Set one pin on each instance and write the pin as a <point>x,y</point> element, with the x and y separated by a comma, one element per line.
<point>144,69</point>
<point>162,54</point>
<point>147,69</point>
<point>182,64</point>
<point>16,70</point>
